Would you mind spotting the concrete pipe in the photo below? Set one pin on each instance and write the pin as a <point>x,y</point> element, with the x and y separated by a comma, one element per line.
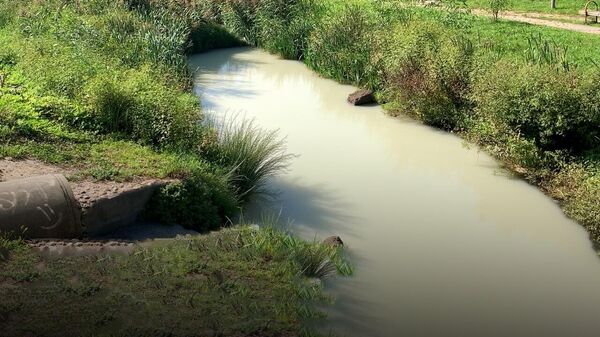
<point>39,207</point>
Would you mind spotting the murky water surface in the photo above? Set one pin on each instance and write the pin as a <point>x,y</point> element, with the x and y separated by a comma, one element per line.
<point>444,242</point>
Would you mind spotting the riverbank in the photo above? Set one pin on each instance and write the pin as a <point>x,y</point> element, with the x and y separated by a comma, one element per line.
<point>240,281</point>
<point>100,91</point>
<point>449,69</point>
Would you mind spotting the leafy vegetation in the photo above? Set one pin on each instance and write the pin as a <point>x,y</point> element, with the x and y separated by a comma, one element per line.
<point>496,6</point>
<point>102,88</point>
<point>236,282</point>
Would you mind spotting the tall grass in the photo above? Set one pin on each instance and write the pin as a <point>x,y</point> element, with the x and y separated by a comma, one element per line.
<point>341,47</point>
<point>311,259</point>
<point>234,282</point>
<point>253,154</point>
<point>546,52</point>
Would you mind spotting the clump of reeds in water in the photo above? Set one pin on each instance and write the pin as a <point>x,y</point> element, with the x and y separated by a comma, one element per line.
<point>252,153</point>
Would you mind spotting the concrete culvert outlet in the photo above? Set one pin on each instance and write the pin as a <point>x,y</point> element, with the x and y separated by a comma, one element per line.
<point>39,207</point>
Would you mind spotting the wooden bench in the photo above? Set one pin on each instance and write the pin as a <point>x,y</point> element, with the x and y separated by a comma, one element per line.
<point>587,12</point>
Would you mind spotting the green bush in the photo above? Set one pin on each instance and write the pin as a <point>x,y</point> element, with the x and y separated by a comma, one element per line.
<point>280,26</point>
<point>202,202</point>
<point>138,105</point>
<point>341,47</point>
<point>426,71</point>
<point>239,17</point>
<point>285,25</point>
<point>583,180</point>
<point>496,6</point>
<point>555,109</point>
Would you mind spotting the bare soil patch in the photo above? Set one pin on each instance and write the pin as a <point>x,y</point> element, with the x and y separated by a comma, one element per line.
<point>86,191</point>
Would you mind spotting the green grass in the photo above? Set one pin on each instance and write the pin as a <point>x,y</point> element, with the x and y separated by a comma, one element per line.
<point>510,39</point>
<point>96,86</point>
<point>102,89</point>
<point>237,282</point>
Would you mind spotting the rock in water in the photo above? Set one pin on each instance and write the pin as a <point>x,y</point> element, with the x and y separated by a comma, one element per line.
<point>333,241</point>
<point>362,96</point>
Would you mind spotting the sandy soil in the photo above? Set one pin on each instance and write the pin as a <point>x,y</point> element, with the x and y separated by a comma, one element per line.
<point>16,169</point>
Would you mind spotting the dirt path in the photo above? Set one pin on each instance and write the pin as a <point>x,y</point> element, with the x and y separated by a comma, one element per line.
<point>542,19</point>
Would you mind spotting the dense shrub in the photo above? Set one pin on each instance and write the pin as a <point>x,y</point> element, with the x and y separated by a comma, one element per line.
<point>206,36</point>
<point>202,202</point>
<point>239,17</point>
<point>496,6</point>
<point>285,25</point>
<point>280,26</point>
<point>582,181</point>
<point>555,109</point>
<point>341,47</point>
<point>426,73</point>
<point>135,104</point>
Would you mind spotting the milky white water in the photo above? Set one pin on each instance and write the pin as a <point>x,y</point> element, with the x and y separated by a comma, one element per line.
<point>444,242</point>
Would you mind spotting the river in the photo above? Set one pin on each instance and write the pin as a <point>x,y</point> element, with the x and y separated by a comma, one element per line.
<point>444,242</point>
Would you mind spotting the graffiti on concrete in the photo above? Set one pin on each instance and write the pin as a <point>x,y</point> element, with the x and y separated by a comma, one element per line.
<point>34,200</point>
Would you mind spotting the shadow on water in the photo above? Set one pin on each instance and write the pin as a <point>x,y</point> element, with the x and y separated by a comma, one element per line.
<point>228,60</point>
<point>315,212</point>
<point>310,209</point>
<point>222,87</point>
<point>351,313</point>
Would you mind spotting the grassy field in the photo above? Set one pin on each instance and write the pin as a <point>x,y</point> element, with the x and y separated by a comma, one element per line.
<point>512,39</point>
<point>237,282</point>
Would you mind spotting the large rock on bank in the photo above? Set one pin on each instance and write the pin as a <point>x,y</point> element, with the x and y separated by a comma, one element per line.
<point>334,241</point>
<point>361,97</point>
